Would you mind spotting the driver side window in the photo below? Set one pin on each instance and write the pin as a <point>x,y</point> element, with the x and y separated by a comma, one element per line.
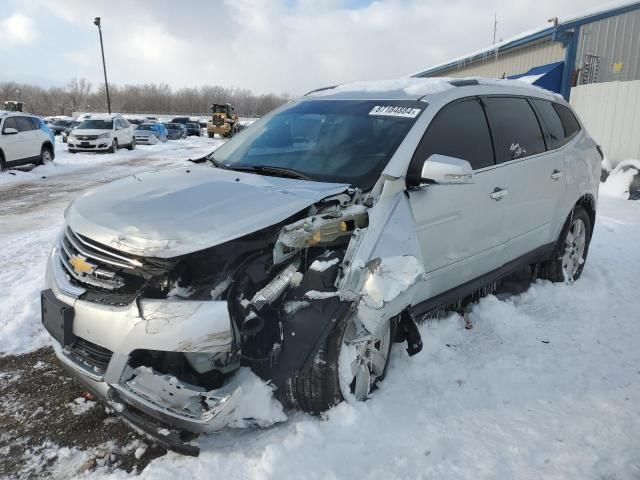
<point>458,130</point>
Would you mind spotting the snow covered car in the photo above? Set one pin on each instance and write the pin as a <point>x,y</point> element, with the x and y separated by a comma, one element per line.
<point>150,133</point>
<point>305,247</point>
<point>175,131</point>
<point>105,133</point>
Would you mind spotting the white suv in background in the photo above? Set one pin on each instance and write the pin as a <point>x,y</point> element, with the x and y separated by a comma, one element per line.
<point>24,139</point>
<point>102,133</point>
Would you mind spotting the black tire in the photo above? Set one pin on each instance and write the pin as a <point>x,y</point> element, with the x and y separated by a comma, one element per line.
<point>3,164</point>
<point>319,389</point>
<point>212,135</point>
<point>114,146</point>
<point>46,155</point>
<point>71,150</point>
<point>132,145</point>
<point>555,269</point>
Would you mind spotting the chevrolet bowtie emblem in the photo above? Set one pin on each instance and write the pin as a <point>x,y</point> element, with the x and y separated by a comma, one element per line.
<point>80,265</point>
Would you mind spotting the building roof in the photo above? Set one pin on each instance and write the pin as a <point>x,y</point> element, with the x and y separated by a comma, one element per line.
<point>544,32</point>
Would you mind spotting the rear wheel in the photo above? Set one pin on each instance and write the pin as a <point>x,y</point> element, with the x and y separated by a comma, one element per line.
<point>114,146</point>
<point>570,253</point>
<point>46,155</point>
<point>348,367</point>
<point>3,164</point>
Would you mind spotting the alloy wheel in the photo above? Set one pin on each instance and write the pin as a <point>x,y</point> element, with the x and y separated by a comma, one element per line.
<point>363,359</point>
<point>574,245</point>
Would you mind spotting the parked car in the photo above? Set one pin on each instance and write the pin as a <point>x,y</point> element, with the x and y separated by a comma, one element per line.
<point>175,131</point>
<point>24,139</point>
<point>150,133</point>
<point>305,247</point>
<point>59,126</point>
<point>193,129</point>
<point>182,120</point>
<point>102,133</point>
<point>68,130</point>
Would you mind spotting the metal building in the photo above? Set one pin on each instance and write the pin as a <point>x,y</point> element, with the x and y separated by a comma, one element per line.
<point>600,46</point>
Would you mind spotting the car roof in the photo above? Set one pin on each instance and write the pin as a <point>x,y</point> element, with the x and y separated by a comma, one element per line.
<point>415,88</point>
<point>7,113</point>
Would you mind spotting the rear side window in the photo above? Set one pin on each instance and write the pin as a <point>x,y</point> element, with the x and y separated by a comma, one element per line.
<point>458,130</point>
<point>560,129</point>
<point>569,121</point>
<point>24,124</point>
<point>515,128</point>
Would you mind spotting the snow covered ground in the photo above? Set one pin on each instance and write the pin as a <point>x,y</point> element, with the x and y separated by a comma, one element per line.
<point>545,385</point>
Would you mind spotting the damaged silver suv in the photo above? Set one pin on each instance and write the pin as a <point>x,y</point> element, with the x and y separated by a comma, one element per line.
<point>305,246</point>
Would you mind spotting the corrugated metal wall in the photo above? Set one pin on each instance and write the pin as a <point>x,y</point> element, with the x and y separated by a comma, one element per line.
<point>511,62</point>
<point>611,114</point>
<point>616,43</point>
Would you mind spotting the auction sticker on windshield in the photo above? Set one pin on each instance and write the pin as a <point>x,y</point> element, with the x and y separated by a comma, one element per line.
<point>394,111</point>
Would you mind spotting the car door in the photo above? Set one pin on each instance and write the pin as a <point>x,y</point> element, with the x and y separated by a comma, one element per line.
<point>460,227</point>
<point>30,137</point>
<point>13,145</point>
<point>535,174</point>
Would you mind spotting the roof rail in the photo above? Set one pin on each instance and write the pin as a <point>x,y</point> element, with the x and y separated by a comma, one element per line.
<point>321,89</point>
<point>464,82</point>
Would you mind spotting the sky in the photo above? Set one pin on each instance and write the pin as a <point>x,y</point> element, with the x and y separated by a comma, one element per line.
<point>268,46</point>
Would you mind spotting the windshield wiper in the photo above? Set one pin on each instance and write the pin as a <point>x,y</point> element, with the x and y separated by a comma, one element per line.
<point>268,169</point>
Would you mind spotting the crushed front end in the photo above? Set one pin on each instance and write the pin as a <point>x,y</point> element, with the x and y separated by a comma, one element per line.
<point>163,339</point>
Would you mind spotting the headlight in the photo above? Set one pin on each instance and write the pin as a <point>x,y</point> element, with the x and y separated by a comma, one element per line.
<point>104,135</point>
<point>71,136</point>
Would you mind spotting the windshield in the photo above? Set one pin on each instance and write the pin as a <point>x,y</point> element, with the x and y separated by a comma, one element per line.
<point>96,124</point>
<point>62,123</point>
<point>325,140</point>
<point>173,126</point>
<point>145,127</point>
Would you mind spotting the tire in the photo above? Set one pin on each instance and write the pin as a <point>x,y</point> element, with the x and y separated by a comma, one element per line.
<point>3,164</point>
<point>46,155</point>
<point>114,146</point>
<point>71,150</point>
<point>132,145</point>
<point>321,388</point>
<point>570,253</point>
<point>212,135</point>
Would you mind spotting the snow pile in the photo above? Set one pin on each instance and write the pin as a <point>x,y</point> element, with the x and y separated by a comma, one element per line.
<point>80,406</point>
<point>257,407</point>
<point>409,85</point>
<point>620,180</point>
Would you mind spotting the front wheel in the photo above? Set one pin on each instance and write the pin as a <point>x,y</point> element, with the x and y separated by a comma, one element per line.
<point>46,155</point>
<point>348,367</point>
<point>132,145</point>
<point>114,146</point>
<point>570,253</point>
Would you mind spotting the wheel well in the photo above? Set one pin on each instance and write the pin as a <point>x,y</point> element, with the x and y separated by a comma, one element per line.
<point>589,204</point>
<point>49,145</point>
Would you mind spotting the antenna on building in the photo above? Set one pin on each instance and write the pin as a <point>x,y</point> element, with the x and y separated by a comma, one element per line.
<point>495,27</point>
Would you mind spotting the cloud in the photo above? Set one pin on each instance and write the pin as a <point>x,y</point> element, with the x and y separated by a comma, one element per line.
<point>281,45</point>
<point>18,29</point>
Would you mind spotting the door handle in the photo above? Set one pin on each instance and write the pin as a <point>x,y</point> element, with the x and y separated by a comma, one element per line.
<point>498,194</point>
<point>557,174</point>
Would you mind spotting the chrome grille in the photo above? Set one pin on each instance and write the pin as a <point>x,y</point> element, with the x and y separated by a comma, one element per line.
<point>86,137</point>
<point>92,264</point>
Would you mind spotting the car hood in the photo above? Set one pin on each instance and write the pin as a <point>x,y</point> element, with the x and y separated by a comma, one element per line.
<point>173,212</point>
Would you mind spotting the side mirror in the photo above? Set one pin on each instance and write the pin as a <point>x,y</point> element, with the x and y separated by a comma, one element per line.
<point>445,170</point>
<point>9,131</point>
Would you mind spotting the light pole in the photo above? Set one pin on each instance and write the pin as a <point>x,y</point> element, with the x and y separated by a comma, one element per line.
<point>96,22</point>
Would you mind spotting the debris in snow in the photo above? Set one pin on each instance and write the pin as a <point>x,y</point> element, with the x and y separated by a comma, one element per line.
<point>139,452</point>
<point>80,406</point>
<point>623,180</point>
<point>321,266</point>
<point>179,292</point>
<point>163,431</point>
<point>294,306</point>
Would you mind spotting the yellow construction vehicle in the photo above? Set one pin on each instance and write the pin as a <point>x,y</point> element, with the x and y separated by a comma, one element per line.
<point>13,106</point>
<point>224,121</point>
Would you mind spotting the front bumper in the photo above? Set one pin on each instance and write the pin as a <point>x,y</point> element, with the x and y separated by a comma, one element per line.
<point>89,145</point>
<point>113,333</point>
